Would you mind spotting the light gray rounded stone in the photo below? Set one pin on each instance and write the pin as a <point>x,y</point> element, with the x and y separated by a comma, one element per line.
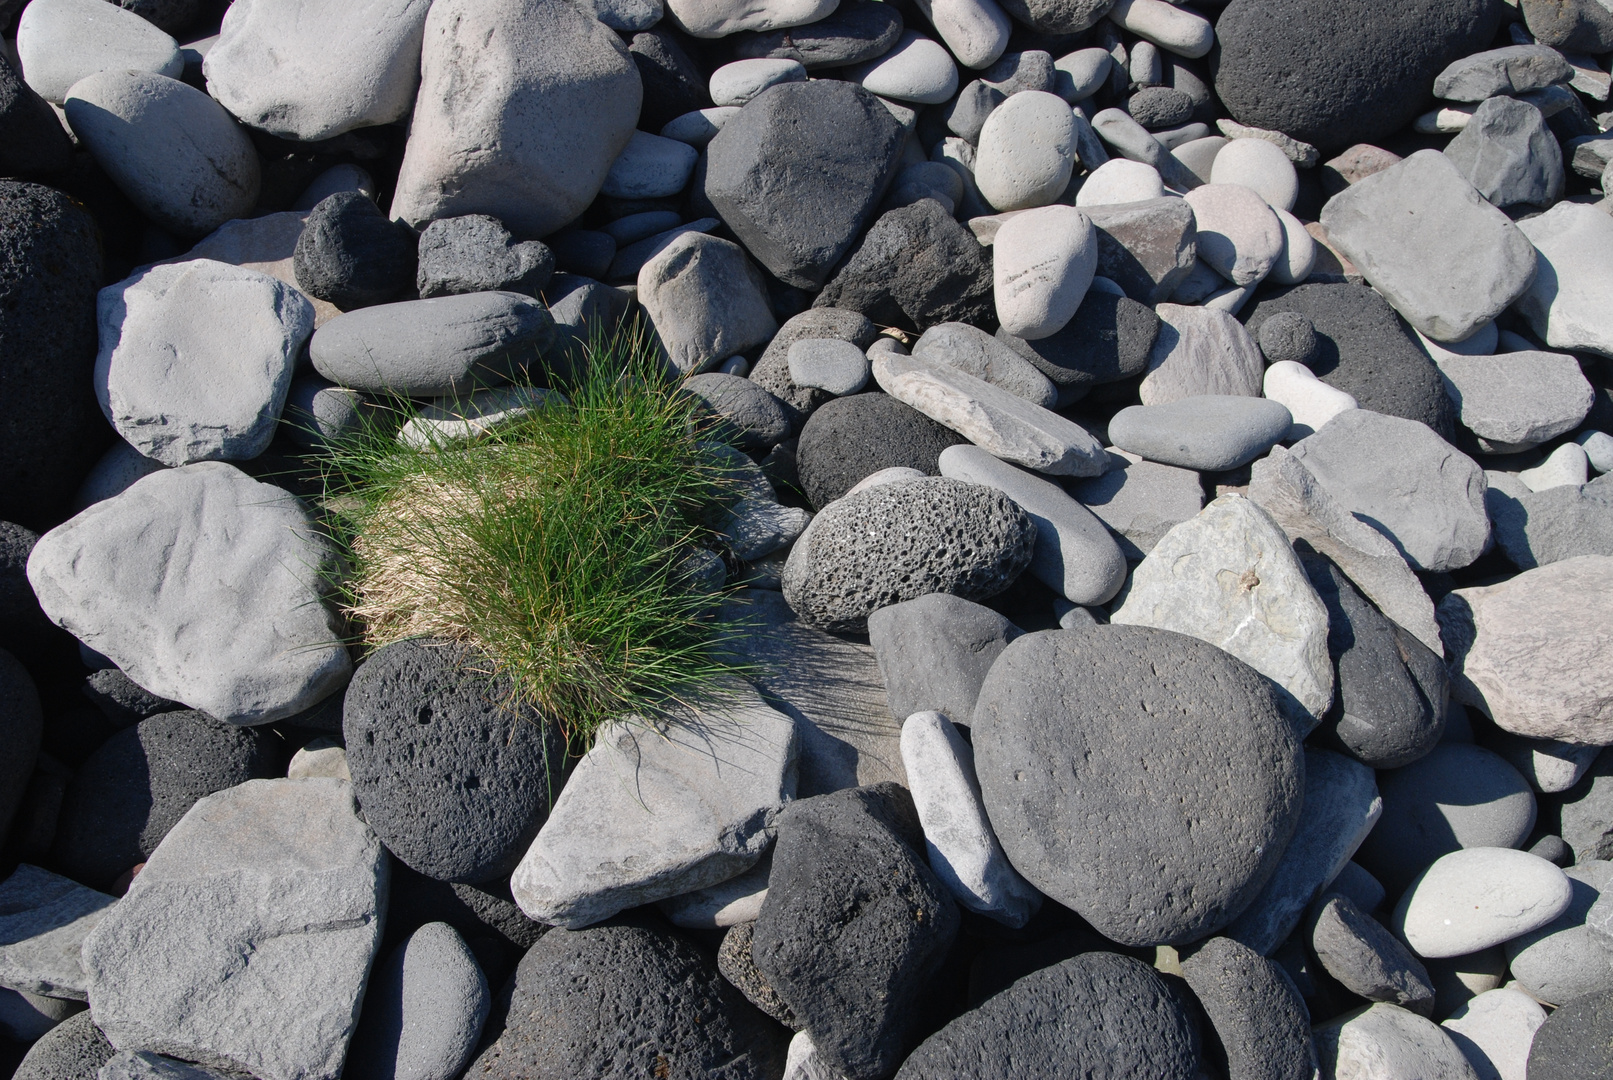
<point>1260,166</point>
<point>1043,262</point>
<point>196,359</point>
<point>1239,235</point>
<point>1209,433</point>
<point>705,300</point>
<point>719,18</point>
<point>975,31</point>
<point>311,71</point>
<point>1311,401</point>
<point>1479,897</point>
<point>42,929</point>
<point>975,352</point>
<point>833,366</point>
<point>1120,180</point>
<point>1172,28</point>
<point>433,348</point>
<point>174,151</point>
<point>740,80</point>
<point>60,42</point>
<point>650,167</point>
<point>204,586</point>
<point>1516,401</point>
<point>1514,69</point>
<point>918,70</point>
<point>1564,961</point>
<point>699,127</point>
<point>1199,155</point>
<point>627,15</point>
<point>423,1010</point>
<point>1405,481</point>
<point>1200,352</point>
<point>1565,304</point>
<point>557,100</point>
<point>334,181</point>
<point>320,413</point>
<point>1495,1030</point>
<point>1386,1042</point>
<point>1082,73</point>
<point>1026,151</point>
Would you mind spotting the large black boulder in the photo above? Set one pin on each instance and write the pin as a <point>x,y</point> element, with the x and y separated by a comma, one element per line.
<point>32,140</point>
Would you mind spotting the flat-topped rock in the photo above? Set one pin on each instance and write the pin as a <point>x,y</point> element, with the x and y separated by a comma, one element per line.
<point>1209,432</point>
<point>972,350</point>
<point>42,929</point>
<point>1514,69</point>
<point>1200,352</point>
<point>1387,1037</point>
<point>1140,501</point>
<point>934,652</point>
<point>1562,304</point>
<point>1517,400</point>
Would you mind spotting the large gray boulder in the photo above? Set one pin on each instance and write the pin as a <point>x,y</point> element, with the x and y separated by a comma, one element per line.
<point>1564,303</point>
<point>556,100</point>
<point>1260,1023</point>
<point>198,962</point>
<point>204,586</point>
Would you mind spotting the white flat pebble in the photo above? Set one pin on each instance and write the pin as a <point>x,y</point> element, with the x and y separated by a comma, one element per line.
<point>1566,465</point>
<point>1120,181</point>
<point>1298,258</point>
<point>1256,163</point>
<point>1479,897</point>
<point>1311,401</point>
<point>1239,235</point>
<point>738,82</point>
<point>1043,263</point>
<point>918,69</point>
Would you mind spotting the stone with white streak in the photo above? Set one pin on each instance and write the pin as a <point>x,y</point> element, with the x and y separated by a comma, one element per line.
<point>1043,262</point>
<point>727,903</point>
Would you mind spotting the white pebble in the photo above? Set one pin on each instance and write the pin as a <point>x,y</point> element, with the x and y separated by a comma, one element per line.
<point>1238,234</point>
<point>1120,181</point>
<point>975,30</point>
<point>1567,465</point>
<point>1494,1032</point>
<point>1166,25</point>
<point>1082,73</point>
<point>1042,265</point>
<point>1257,164</point>
<point>1311,401</point>
<point>1026,152</point>
<point>917,69</point>
<point>1298,259</point>
<point>742,80</point>
<point>1598,447</point>
<point>699,127</point>
<point>1479,897</point>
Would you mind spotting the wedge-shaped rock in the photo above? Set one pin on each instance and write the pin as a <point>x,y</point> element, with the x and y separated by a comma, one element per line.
<point>1519,400</point>
<point>44,919</point>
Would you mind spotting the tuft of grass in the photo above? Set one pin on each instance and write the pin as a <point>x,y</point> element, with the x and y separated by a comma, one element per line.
<point>556,545</point>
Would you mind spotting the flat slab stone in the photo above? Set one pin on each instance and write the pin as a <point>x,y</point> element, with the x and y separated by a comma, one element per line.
<point>204,586</point>
<point>195,962</point>
<point>1200,352</point>
<point>934,652</point>
<point>1140,501</point>
<point>1516,401</point>
<point>1210,432</point>
<point>1446,259</point>
<point>1515,69</point>
<point>1228,576</point>
<point>1479,897</point>
<point>1566,303</point>
<point>44,919</point>
<point>1535,652</point>
<point>972,350</point>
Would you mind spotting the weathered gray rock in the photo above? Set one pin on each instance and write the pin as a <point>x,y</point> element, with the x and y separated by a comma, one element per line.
<point>963,851</point>
<point>705,300</point>
<point>1479,897</point>
<point>423,1011</point>
<point>1209,432</point>
<point>1517,400</point>
<point>1109,339</point>
<point>1140,501</point>
<point>1239,236</point>
<point>853,33</point>
<point>144,1065</point>
<point>1166,753</point>
<point>1258,1018</point>
<point>997,421</point>
<point>1200,352</point>
<point>1341,807</point>
<point>433,348</point>
<point>1495,1030</point>
<point>1448,261</point>
<point>719,18</point>
<point>1147,248</point>
<point>44,919</point>
<point>204,586</point>
<point>476,253</point>
<point>1562,304</point>
<point>1229,577</point>
<point>196,359</point>
<point>174,151</point>
<point>1365,958</point>
<point>886,544</point>
<point>1508,153</point>
<point>1027,150</point>
<point>1515,69</point>
<point>1546,679</point>
<point>835,367</point>
<point>305,72</point>
<point>1541,527</point>
<point>975,352</point>
<point>193,962</point>
<point>934,652</point>
<point>1074,554</point>
<point>1386,1040</point>
<point>1405,481</point>
<point>60,42</point>
<point>557,100</point>
<point>705,786</point>
<point>1563,961</point>
<point>744,412</point>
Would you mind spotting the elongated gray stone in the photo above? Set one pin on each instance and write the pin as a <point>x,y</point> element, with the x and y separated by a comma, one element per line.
<point>653,812</point>
<point>972,350</point>
<point>1209,432</point>
<point>60,42</point>
<point>44,919</point>
<point>1140,501</point>
<point>1515,69</point>
<point>1474,898</point>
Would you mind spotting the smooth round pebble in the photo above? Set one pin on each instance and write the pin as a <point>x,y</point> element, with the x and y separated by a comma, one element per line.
<point>918,70</point>
<point>1199,155</point>
<point>1120,180</point>
<point>1311,401</point>
<point>1026,151</point>
<point>827,364</point>
<point>1479,897</point>
<point>1494,1031</point>
<point>738,82</point>
<point>850,438</point>
<point>649,167</point>
<point>1159,107</point>
<point>1238,235</point>
<point>1212,432</point>
<point>1386,1042</point>
<point>1258,164</point>
<point>423,1010</point>
<point>60,42</point>
<point>750,416</point>
<point>1563,960</point>
<point>1079,75</point>
<point>1043,262</point>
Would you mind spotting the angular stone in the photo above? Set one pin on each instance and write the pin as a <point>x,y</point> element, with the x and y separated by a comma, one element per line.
<point>934,652</point>
<point>1208,432</point>
<point>1564,304</point>
<point>1545,678</point>
<point>1147,248</point>
<point>1239,235</point>
<point>476,253</point>
<point>1517,400</point>
<point>1200,352</point>
<point>972,350</point>
<point>1542,527</point>
<point>1386,1040</point>
<point>1109,339</point>
<point>193,963</point>
<point>1140,501</point>
<point>1365,958</point>
<point>916,266</point>
<point>1508,153</point>
<point>705,300</point>
<point>44,919</point>
<point>1515,69</point>
<point>351,255</point>
<point>1424,237</point>
<point>1479,897</point>
<point>204,586</point>
<point>1259,1019</point>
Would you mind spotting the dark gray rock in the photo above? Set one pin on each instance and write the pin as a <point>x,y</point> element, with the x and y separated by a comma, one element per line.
<point>1364,349</point>
<point>1288,335</point>
<point>21,728</point>
<point>1391,690</point>
<point>169,16</point>
<point>772,371</point>
<point>1141,777</point>
<point>51,429</point>
<point>1457,796</point>
<point>24,629</point>
<point>497,931</point>
<point>975,352</point>
<point>1573,1042</point>
<point>896,542</point>
<point>75,1049</point>
<point>423,1013</point>
<point>1058,16</point>
<point>1095,1015</point>
<point>915,267</point>
<point>1261,1028</point>
<point>1366,958</point>
<point>123,701</point>
<point>1146,248</point>
<point>1159,107</point>
<point>626,998</point>
<point>140,782</point>
<point>1509,154</point>
<point>798,173</point>
<point>935,651</point>
<point>1576,25</point>
<point>1108,339</point>
<point>352,255</point>
<point>581,308</point>
<point>855,437</point>
<point>583,252</point>
<point>673,83</point>
<point>455,781</point>
<point>854,926</point>
<point>738,966</point>
<point>1336,73</point>
<point>1542,527</point>
<point>966,114</point>
<point>476,253</point>
<point>1515,69</point>
<point>741,412</point>
<point>854,33</point>
<point>32,140</point>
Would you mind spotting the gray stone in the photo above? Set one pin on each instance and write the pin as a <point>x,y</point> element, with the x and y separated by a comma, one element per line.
<point>707,783</point>
<point>1563,305</point>
<point>1147,248</point>
<point>1549,766</point>
<point>934,652</point>
<point>894,542</point>
<point>1260,1024</point>
<point>447,420</point>
<point>1508,154</point>
<point>1200,352</point>
<point>918,70</point>
<point>624,267</point>
<point>1545,679</point>
<point>999,422</point>
<point>1239,235</point>
<point>1566,465</point>
<point>772,371</point>
<point>1131,140</point>
<point>24,1018</point>
<point>705,300</point>
<point>1027,149</point>
<point>305,72</point>
<point>1537,528</point>
<point>1074,554</point>
<point>1228,576</point>
<point>755,525</point>
<point>1472,899</point>
<point>1140,501</point>
<point>738,966</point>
<point>43,921</point>
<point>204,586</point>
<point>350,255</point>
<point>650,167</point>
<point>476,253</point>
<point>1211,432</point>
<point>1043,262</point>
<point>1109,339</point>
<point>1096,1013</point>
<point>1495,1030</point>
<point>725,904</point>
<point>143,1065</point>
<point>423,1011</point>
<point>174,151</point>
<point>1365,958</point>
<point>1259,162</point>
<point>744,412</point>
<point>337,178</point>
<point>1564,961</point>
<point>75,1049</point>
<point>318,413</point>
<point>1405,481</point>
<point>196,359</point>
<point>800,175</point>
<point>60,42</point>
<point>581,308</point>
<point>1517,400</point>
<point>1386,1040</point>
<point>1165,753</point>
<point>854,437</point>
<point>433,348</point>
<point>739,81</point>
<point>1515,69</point>
<point>835,367</point>
<point>1341,807</point>
<point>557,100</point>
<point>1425,238</point>
<point>853,33</point>
<point>1311,401</point>
<point>319,757</point>
<point>193,949</point>
<point>972,350</point>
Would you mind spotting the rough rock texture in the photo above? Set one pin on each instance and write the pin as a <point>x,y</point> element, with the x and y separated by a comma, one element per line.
<point>772,370</point>
<point>351,255</point>
<point>1365,957</point>
<point>916,267</point>
<point>75,1049</point>
<point>935,651</point>
<point>1571,1044</point>
<point>1140,501</point>
<point>1543,527</point>
<point>1163,831</point>
<point>1508,153</point>
<point>1260,1024</point>
<point>853,438</point>
<point>706,301</point>
<point>855,32</point>
<point>35,140</point>
<point>1147,248</point>
<point>1110,338</point>
<point>1200,351</point>
<point>44,918</point>
<point>455,782</point>
<point>476,253</point>
<point>1388,1038</point>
